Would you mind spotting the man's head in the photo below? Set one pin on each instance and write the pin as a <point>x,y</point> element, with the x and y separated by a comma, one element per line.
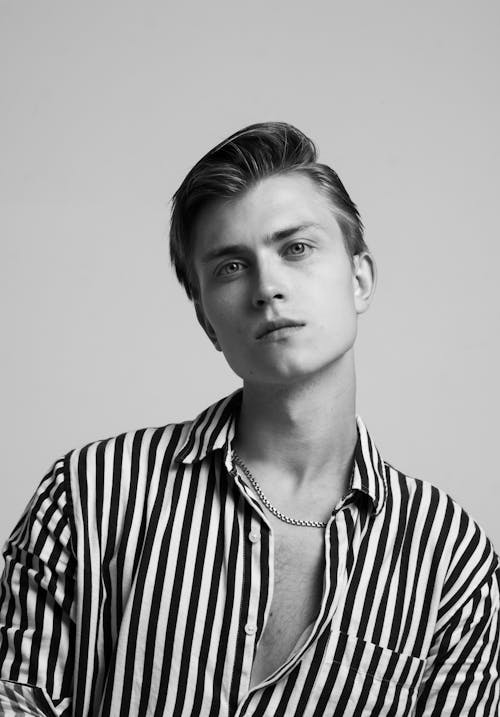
<point>238,164</point>
<point>270,247</point>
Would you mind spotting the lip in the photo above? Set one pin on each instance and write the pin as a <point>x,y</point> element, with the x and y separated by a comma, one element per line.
<point>268,327</point>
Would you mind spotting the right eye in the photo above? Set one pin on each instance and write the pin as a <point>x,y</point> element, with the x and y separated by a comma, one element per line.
<point>228,269</point>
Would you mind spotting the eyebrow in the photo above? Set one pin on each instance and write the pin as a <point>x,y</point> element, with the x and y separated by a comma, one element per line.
<point>231,249</point>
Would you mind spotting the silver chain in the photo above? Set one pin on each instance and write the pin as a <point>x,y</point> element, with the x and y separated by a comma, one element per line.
<point>270,506</point>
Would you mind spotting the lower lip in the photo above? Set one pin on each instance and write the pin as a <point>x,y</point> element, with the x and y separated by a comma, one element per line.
<point>279,334</point>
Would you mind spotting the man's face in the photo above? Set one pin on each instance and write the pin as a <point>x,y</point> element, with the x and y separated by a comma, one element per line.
<point>276,254</point>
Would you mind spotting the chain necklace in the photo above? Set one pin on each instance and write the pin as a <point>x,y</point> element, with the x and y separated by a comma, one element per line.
<point>270,506</point>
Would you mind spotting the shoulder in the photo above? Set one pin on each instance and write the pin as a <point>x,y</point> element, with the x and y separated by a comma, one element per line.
<point>462,556</point>
<point>118,463</point>
<point>208,430</point>
<point>109,483</point>
<point>130,451</point>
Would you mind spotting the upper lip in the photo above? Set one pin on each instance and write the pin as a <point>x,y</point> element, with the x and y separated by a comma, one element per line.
<point>267,326</point>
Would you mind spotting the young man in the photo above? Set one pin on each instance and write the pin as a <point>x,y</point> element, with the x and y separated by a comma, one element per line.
<point>262,559</point>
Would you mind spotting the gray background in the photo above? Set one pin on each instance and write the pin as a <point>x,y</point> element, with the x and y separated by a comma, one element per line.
<point>105,106</point>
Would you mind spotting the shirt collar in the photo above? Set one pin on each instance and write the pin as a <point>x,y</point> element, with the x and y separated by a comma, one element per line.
<point>215,427</point>
<point>369,473</point>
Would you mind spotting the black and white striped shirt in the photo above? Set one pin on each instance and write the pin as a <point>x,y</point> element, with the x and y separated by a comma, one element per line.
<point>139,581</point>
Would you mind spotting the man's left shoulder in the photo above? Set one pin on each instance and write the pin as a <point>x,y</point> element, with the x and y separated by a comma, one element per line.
<point>444,527</point>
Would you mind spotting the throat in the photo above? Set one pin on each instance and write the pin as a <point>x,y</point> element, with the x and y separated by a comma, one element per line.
<point>297,447</point>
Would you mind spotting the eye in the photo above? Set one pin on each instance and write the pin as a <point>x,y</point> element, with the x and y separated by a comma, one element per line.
<point>298,248</point>
<point>231,267</point>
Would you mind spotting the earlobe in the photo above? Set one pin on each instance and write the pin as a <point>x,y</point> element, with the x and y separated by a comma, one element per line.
<point>364,280</point>
<point>206,325</point>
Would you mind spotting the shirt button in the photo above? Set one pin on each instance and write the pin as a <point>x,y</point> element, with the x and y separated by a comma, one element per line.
<point>250,628</point>
<point>254,536</point>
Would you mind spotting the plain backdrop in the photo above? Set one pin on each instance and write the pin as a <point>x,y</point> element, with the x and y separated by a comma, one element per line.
<point>106,106</point>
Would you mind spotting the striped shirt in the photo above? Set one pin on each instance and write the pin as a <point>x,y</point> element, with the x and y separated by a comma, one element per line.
<point>139,581</point>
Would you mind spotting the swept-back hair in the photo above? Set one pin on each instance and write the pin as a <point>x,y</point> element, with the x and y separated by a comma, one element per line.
<point>239,162</point>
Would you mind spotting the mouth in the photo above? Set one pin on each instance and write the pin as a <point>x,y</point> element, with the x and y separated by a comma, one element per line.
<point>269,327</point>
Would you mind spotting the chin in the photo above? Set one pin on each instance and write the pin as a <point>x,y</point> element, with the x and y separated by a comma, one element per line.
<point>290,370</point>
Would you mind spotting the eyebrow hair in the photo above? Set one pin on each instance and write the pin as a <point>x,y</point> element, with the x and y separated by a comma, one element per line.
<point>279,235</point>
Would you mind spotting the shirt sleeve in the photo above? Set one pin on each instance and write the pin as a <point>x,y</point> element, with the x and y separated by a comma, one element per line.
<point>37,629</point>
<point>462,677</point>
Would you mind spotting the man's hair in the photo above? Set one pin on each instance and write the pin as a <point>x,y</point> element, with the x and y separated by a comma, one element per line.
<point>238,163</point>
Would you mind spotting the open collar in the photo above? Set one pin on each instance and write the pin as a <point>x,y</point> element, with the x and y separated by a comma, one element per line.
<point>215,427</point>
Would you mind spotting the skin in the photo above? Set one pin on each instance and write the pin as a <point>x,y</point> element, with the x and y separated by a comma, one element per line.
<point>277,251</point>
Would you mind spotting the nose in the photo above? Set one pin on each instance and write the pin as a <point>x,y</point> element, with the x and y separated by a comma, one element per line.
<point>269,286</point>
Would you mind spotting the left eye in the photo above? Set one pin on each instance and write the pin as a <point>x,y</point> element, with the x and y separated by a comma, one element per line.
<point>297,249</point>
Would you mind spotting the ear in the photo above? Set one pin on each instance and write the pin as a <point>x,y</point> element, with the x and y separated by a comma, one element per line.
<point>364,277</point>
<point>205,324</point>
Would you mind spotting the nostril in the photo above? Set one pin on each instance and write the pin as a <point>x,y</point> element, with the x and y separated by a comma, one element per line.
<point>262,302</point>
<point>266,295</point>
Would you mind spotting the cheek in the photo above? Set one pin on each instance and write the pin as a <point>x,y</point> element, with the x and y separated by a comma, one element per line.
<point>223,317</point>
<point>336,297</point>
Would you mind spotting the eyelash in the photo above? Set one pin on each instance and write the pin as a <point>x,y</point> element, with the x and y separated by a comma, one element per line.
<point>221,272</point>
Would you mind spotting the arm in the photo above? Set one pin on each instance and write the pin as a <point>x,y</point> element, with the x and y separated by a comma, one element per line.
<point>462,674</point>
<point>36,601</point>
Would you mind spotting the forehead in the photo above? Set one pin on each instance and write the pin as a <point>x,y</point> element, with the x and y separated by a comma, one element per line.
<point>269,207</point>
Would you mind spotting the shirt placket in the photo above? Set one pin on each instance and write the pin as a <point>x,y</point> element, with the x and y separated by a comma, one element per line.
<point>257,543</point>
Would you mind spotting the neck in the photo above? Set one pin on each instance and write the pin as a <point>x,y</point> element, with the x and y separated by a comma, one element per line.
<point>305,431</point>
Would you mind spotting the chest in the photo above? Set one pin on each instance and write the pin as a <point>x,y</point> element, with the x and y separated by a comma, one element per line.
<point>297,592</point>
<point>298,568</point>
